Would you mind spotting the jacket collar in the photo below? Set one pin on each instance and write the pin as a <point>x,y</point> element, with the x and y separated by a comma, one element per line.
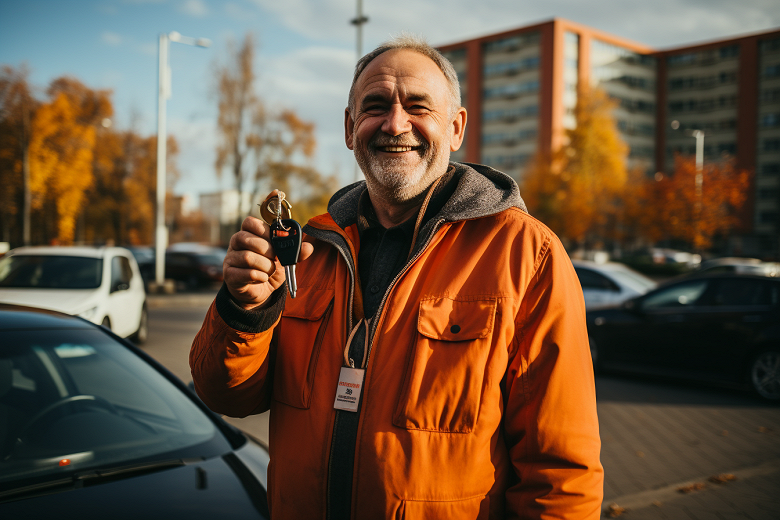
<point>481,191</point>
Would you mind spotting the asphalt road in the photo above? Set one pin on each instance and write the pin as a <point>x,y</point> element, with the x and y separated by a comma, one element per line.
<point>664,444</point>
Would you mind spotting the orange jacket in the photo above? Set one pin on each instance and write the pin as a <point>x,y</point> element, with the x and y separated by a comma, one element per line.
<point>479,397</point>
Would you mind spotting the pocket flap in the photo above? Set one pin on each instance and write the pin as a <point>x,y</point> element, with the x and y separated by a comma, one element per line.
<point>456,320</point>
<point>310,304</point>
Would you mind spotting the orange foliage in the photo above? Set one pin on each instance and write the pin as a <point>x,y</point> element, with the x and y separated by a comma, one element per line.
<point>679,213</point>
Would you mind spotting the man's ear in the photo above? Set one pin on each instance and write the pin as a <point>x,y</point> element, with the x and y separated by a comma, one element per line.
<point>349,128</point>
<point>458,127</point>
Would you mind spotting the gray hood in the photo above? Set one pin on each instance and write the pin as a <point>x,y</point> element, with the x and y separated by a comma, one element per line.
<point>481,191</point>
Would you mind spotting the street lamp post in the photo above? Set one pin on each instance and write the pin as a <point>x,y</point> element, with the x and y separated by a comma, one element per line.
<point>358,22</point>
<point>699,179</point>
<point>164,93</point>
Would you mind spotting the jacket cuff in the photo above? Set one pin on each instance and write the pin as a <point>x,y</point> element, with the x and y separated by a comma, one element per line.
<point>252,321</point>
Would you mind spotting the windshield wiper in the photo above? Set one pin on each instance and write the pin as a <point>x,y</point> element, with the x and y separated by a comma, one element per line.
<point>93,476</point>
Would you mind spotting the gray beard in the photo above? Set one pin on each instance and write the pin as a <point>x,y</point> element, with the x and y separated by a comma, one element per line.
<point>391,178</point>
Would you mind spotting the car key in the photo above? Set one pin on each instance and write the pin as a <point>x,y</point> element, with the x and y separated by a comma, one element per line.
<point>286,239</point>
<point>286,233</point>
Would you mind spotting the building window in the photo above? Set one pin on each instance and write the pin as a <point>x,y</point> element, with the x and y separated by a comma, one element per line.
<point>772,71</point>
<point>512,90</point>
<point>510,114</point>
<point>512,43</point>
<point>509,138</point>
<point>771,145</point>
<point>455,54</point>
<point>770,169</point>
<point>768,193</point>
<point>681,59</point>
<point>728,148</point>
<point>732,51</point>
<point>768,217</point>
<point>770,96</point>
<point>770,120</point>
<point>514,67</point>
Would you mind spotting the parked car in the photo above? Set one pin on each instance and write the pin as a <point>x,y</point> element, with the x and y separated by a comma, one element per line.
<point>609,283</point>
<point>195,266</point>
<point>739,265</point>
<point>718,328</point>
<point>144,256</point>
<point>100,284</point>
<point>92,427</point>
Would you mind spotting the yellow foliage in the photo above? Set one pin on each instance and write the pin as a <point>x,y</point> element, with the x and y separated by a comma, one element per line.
<point>576,189</point>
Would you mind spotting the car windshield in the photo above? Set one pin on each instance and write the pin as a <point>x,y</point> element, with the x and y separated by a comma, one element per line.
<point>633,279</point>
<point>51,272</point>
<point>72,400</point>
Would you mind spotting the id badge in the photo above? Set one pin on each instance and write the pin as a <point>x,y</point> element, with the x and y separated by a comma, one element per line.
<point>348,389</point>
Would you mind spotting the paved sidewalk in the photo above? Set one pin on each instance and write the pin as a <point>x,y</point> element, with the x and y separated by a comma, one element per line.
<point>660,439</point>
<point>183,299</point>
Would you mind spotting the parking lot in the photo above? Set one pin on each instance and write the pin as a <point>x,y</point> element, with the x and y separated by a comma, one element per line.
<point>665,445</point>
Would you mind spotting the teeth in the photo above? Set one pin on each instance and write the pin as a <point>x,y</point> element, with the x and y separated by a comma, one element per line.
<point>398,148</point>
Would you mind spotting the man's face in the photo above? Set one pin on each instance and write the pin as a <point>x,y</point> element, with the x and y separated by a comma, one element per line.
<point>403,128</point>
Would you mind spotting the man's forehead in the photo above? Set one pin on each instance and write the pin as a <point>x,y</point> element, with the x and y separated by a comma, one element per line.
<point>401,69</point>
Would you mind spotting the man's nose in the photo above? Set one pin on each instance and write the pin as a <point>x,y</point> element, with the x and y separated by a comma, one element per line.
<point>396,121</point>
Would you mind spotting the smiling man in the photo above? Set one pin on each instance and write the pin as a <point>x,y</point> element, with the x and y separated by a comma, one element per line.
<point>435,362</point>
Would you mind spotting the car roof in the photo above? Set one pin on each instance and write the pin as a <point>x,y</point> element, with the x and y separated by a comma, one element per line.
<point>83,251</point>
<point>602,266</point>
<point>19,317</point>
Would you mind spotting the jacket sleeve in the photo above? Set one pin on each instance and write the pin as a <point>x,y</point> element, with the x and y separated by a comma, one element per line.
<point>232,356</point>
<point>550,424</point>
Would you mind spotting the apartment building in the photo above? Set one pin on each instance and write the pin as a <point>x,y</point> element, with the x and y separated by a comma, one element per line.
<point>520,88</point>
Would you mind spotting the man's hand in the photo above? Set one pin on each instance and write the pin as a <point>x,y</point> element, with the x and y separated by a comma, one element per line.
<point>250,269</point>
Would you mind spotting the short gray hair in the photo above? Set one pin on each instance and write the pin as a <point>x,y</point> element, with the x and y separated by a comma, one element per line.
<point>412,43</point>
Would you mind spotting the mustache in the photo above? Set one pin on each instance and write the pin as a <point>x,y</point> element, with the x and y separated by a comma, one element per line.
<point>382,139</point>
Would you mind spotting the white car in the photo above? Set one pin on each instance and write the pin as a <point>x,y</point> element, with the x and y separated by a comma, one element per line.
<point>609,283</point>
<point>100,284</point>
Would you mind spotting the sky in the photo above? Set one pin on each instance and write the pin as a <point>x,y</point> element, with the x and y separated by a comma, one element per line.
<point>305,55</point>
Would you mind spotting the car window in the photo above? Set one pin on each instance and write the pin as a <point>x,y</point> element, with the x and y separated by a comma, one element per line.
<point>51,272</point>
<point>78,399</point>
<point>593,280</point>
<point>676,296</point>
<point>121,273</point>
<point>745,293</point>
<point>178,260</point>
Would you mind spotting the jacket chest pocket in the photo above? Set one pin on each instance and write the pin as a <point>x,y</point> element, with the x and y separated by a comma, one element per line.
<point>442,386</point>
<point>299,341</point>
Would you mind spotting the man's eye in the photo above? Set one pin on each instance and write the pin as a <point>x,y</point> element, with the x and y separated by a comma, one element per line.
<point>417,109</point>
<point>374,109</point>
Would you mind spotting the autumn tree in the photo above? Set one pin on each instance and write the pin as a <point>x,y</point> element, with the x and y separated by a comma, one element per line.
<point>577,189</point>
<point>63,135</point>
<point>261,147</point>
<point>17,109</point>
<point>680,212</point>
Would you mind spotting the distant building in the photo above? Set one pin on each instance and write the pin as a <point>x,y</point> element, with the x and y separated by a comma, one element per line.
<point>222,209</point>
<point>520,88</point>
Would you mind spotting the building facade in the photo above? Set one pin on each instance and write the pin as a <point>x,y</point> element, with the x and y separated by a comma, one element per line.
<point>520,89</point>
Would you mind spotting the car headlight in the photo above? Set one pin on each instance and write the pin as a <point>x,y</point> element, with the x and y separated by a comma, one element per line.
<point>89,314</point>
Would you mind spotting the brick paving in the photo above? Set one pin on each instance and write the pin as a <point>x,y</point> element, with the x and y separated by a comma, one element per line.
<point>658,437</point>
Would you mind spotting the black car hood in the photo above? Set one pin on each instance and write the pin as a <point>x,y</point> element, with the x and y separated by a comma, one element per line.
<point>214,488</point>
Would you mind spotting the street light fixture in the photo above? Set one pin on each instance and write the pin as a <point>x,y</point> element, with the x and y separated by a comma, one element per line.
<point>163,93</point>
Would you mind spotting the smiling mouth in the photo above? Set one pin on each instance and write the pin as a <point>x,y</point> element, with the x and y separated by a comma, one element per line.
<point>396,149</point>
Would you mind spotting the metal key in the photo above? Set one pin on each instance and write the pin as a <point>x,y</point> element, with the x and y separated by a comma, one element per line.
<point>285,234</point>
<point>286,239</point>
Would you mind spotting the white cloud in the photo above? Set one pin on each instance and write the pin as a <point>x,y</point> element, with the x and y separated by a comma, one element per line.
<point>111,38</point>
<point>195,8</point>
<point>661,23</point>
